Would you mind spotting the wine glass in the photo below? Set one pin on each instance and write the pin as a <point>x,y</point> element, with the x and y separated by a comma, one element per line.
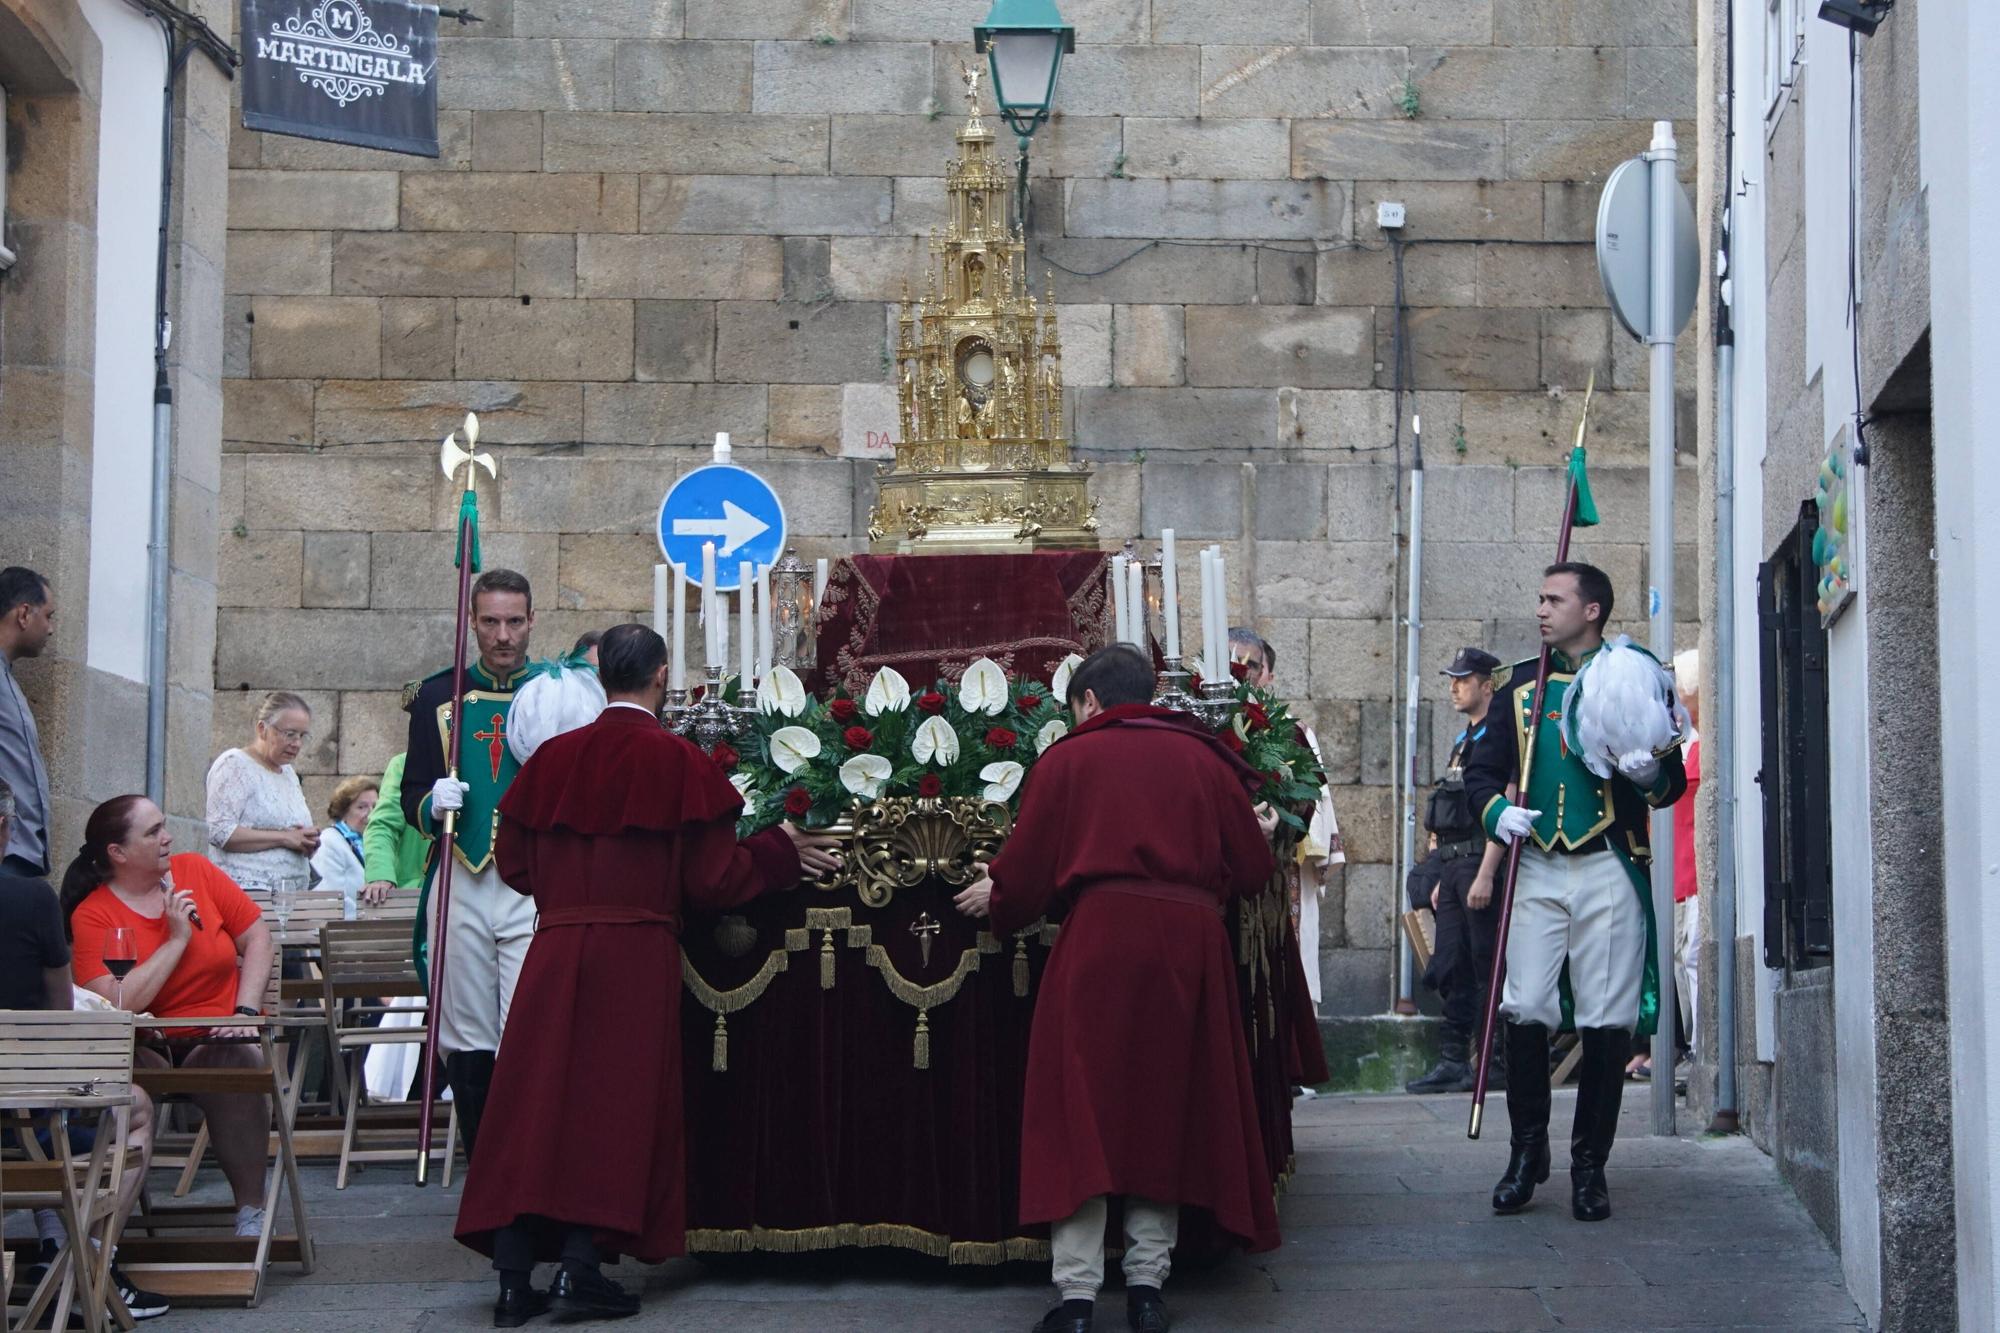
<point>282,897</point>
<point>121,955</point>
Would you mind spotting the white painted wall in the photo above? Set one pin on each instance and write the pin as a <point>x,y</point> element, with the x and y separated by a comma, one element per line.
<point>1959,110</point>
<point>128,211</point>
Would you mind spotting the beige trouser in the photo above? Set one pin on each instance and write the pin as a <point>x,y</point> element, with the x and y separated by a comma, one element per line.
<point>1581,909</point>
<point>1078,1242</point>
<point>490,929</point>
<point>1687,960</point>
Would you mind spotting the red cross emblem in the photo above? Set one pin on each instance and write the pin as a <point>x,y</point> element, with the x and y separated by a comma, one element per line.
<point>496,738</point>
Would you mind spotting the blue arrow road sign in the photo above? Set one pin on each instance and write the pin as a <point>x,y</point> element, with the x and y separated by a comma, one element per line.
<point>730,506</point>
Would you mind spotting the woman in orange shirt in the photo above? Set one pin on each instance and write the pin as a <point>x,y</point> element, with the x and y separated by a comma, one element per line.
<point>202,950</point>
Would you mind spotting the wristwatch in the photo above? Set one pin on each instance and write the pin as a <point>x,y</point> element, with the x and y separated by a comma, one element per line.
<point>248,1012</point>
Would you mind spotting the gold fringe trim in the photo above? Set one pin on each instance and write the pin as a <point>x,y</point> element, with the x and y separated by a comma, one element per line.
<point>846,1235</point>
<point>729,1001</point>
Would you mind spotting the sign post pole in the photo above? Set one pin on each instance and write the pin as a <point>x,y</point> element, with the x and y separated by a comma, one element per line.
<point>1663,160</point>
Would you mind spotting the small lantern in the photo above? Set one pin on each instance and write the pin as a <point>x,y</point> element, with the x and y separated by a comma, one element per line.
<point>794,613</point>
<point>1027,40</point>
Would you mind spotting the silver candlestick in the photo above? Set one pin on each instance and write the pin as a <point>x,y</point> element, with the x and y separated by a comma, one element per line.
<point>1172,687</point>
<point>712,720</point>
<point>1216,704</point>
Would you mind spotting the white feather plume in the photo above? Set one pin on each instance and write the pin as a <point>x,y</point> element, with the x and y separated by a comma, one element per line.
<point>561,699</point>
<point>1621,703</point>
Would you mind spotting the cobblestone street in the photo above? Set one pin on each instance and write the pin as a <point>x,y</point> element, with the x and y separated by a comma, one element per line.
<point>1386,1228</point>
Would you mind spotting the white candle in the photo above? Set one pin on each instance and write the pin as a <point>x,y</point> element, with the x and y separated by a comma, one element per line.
<point>1120,630</point>
<point>1217,573</point>
<point>711,629</point>
<point>766,630</point>
<point>1209,607</point>
<point>819,582</point>
<point>660,600</point>
<point>679,679</point>
<point>1135,604</point>
<point>1170,593</point>
<point>746,662</point>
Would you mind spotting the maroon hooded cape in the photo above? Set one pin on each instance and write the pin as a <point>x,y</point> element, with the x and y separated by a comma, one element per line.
<point>1138,1075</point>
<point>612,829</point>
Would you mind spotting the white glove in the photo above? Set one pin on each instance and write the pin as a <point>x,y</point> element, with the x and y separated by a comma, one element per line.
<point>448,794</point>
<point>1516,822</point>
<point>1640,766</point>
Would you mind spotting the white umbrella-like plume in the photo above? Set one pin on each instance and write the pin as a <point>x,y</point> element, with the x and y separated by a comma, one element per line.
<point>561,699</point>
<point>1621,703</point>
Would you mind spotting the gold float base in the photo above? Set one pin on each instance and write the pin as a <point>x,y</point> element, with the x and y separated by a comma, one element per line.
<point>984,513</point>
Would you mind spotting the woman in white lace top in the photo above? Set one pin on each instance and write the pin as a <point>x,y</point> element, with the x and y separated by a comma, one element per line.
<point>258,820</point>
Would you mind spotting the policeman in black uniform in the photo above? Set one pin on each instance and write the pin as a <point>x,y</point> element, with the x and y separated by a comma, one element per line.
<point>1456,882</point>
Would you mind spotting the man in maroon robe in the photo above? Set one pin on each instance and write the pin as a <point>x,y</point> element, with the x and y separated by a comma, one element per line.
<point>612,829</point>
<point>1138,1073</point>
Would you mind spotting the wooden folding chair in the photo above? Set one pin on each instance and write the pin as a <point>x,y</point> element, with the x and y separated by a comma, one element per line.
<point>363,965</point>
<point>228,1267</point>
<point>400,905</point>
<point>1420,926</point>
<point>55,1065</point>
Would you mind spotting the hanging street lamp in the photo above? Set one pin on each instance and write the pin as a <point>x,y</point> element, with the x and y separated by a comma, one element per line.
<point>1025,41</point>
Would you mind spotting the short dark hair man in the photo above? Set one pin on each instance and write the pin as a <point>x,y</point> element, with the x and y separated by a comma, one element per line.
<point>1461,865</point>
<point>490,923</point>
<point>1141,819</point>
<point>27,619</point>
<point>1582,904</point>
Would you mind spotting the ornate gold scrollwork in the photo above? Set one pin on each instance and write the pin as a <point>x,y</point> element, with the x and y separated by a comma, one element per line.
<point>900,842</point>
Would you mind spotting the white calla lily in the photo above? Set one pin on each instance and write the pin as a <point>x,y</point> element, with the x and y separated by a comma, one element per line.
<point>865,775</point>
<point>781,691</point>
<point>887,693</point>
<point>983,688</point>
<point>746,787</point>
<point>936,743</point>
<point>1059,682</point>
<point>1002,779</point>
<point>792,748</point>
<point>1052,731</point>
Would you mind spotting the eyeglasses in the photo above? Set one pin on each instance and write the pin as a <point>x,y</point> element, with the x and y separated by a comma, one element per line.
<point>295,737</point>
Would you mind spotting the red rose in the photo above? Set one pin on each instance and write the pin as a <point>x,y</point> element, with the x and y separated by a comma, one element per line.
<point>1254,714</point>
<point>858,738</point>
<point>1240,670</point>
<point>1000,738</point>
<point>724,757</point>
<point>1030,701</point>
<point>797,802</point>
<point>842,709</point>
<point>930,785</point>
<point>931,701</point>
<point>1231,739</point>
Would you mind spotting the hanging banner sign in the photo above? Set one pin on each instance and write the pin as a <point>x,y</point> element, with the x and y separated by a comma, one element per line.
<point>359,72</point>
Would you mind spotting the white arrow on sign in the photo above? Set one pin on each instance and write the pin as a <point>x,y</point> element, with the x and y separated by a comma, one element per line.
<point>735,527</point>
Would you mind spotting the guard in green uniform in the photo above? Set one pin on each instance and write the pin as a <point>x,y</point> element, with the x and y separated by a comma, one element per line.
<point>490,924</point>
<point>1581,935</point>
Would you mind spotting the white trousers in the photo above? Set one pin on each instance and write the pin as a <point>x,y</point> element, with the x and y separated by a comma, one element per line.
<point>1687,960</point>
<point>490,929</point>
<point>1078,1242</point>
<point>1581,909</point>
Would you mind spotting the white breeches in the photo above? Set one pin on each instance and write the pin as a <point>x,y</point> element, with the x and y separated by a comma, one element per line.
<point>490,929</point>
<point>1581,909</point>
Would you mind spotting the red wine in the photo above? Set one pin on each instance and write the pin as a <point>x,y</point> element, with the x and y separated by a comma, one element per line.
<point>119,967</point>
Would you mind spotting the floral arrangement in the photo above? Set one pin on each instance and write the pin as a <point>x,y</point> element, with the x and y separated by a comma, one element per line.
<point>810,760</point>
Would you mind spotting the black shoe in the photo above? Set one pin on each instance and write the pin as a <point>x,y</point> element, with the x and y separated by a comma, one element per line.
<point>1600,1087</point>
<point>1064,1319</point>
<point>1144,1310</point>
<point>1445,1076</point>
<point>139,1304</point>
<point>1528,1112</point>
<point>585,1291</point>
<point>519,1301</point>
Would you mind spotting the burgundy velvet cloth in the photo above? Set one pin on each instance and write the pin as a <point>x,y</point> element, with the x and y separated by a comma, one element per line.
<point>1139,1079</point>
<point>929,616</point>
<point>584,1124</point>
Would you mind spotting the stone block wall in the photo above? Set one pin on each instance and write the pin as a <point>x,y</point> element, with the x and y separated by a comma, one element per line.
<point>652,221</point>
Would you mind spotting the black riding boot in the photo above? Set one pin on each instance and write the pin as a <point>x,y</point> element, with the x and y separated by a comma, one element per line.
<point>1453,1072</point>
<point>1600,1087</point>
<point>1528,1115</point>
<point>470,1074</point>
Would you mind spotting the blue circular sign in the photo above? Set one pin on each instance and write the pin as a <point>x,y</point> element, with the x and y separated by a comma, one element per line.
<point>730,506</point>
